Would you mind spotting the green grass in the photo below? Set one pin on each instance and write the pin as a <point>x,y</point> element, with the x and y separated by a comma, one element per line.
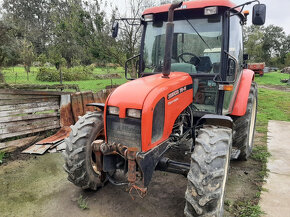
<point>272,78</point>
<point>17,75</point>
<point>247,209</point>
<point>2,155</point>
<point>82,203</point>
<point>273,105</point>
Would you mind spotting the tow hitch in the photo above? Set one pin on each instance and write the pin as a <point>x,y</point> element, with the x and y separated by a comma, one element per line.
<point>130,155</point>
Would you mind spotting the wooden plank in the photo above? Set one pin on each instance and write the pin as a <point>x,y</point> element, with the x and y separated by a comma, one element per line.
<point>28,117</point>
<point>28,100</point>
<point>29,105</point>
<point>19,96</point>
<point>36,149</point>
<point>31,92</point>
<point>26,125</point>
<point>19,142</point>
<point>30,110</point>
<point>77,105</point>
<point>4,136</point>
<point>87,98</point>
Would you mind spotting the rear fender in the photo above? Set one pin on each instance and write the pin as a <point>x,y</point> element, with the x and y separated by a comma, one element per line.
<point>216,120</point>
<point>241,102</point>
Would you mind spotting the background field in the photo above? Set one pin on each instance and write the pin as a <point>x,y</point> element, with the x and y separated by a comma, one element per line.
<point>17,75</point>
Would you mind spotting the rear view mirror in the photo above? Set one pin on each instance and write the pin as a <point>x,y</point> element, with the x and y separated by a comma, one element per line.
<point>246,57</point>
<point>259,14</point>
<point>115,29</point>
<point>231,67</point>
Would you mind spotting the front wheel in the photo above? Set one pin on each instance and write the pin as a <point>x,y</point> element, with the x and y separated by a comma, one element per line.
<point>208,172</point>
<point>80,160</point>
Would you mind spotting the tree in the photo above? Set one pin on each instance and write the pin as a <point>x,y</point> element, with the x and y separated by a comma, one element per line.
<point>77,27</point>
<point>26,51</point>
<point>287,60</point>
<point>31,20</point>
<point>267,44</point>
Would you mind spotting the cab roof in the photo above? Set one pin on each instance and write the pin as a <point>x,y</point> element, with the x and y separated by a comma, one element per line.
<point>191,5</point>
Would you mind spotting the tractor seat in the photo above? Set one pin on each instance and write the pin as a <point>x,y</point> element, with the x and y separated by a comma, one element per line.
<point>204,65</point>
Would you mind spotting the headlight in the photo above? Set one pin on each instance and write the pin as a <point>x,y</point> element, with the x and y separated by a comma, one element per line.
<point>134,113</point>
<point>210,11</point>
<point>113,110</point>
<point>148,17</point>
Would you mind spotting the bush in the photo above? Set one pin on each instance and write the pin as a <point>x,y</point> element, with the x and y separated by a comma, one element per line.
<point>47,74</point>
<point>72,74</point>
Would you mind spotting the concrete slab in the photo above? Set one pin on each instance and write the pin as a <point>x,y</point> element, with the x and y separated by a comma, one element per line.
<point>276,202</point>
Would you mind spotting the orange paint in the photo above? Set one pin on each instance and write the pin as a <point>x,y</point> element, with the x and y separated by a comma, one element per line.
<point>241,102</point>
<point>191,5</point>
<point>145,93</point>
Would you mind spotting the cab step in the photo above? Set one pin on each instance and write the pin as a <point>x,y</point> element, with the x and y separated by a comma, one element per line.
<point>235,154</point>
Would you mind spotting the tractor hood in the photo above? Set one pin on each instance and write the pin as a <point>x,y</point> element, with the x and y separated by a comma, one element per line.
<point>134,93</point>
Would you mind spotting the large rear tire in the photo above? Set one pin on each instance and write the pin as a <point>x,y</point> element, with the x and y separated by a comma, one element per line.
<point>244,126</point>
<point>80,161</point>
<point>208,172</point>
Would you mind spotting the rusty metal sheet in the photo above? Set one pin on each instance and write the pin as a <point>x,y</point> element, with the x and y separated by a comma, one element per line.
<point>77,106</point>
<point>36,149</point>
<point>88,98</point>
<point>102,95</point>
<point>59,136</point>
<point>66,115</point>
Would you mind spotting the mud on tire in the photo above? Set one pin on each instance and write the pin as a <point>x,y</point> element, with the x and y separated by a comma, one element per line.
<point>208,172</point>
<point>78,152</point>
<point>244,126</point>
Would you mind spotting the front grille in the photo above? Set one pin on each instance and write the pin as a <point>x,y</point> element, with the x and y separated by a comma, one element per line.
<point>126,131</point>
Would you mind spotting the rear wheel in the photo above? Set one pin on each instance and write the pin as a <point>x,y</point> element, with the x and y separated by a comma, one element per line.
<point>80,160</point>
<point>208,172</point>
<point>244,126</point>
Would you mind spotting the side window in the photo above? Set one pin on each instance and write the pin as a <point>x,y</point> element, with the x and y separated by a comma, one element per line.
<point>236,39</point>
<point>236,50</point>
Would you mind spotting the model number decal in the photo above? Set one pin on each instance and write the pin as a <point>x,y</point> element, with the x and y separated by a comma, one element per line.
<point>176,92</point>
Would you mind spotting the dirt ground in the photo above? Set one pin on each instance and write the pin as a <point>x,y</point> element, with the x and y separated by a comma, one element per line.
<point>37,186</point>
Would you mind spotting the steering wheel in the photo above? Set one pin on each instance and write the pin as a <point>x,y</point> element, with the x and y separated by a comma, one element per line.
<point>194,60</point>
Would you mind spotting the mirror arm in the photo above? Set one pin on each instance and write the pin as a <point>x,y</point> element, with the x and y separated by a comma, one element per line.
<point>227,12</point>
<point>243,5</point>
<point>132,23</point>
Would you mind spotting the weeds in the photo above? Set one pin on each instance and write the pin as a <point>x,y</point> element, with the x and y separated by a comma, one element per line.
<point>2,155</point>
<point>247,209</point>
<point>260,153</point>
<point>82,203</point>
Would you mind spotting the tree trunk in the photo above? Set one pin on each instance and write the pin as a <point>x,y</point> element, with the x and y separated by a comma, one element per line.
<point>2,79</point>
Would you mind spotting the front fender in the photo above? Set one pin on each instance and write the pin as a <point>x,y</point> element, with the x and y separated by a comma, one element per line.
<point>241,102</point>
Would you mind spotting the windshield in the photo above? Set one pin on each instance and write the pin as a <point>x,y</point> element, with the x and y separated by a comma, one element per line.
<point>191,52</point>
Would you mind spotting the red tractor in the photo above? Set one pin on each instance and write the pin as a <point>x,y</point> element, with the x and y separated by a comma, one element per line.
<point>193,96</point>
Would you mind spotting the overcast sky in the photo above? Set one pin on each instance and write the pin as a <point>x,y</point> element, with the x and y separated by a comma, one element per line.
<point>278,11</point>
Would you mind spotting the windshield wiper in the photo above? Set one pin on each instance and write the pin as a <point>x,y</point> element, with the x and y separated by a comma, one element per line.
<point>196,32</point>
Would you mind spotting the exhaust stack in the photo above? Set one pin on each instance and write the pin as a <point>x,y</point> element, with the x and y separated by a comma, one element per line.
<point>169,40</point>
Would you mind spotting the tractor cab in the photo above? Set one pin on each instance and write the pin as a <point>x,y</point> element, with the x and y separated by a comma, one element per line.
<point>207,43</point>
<point>206,36</point>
